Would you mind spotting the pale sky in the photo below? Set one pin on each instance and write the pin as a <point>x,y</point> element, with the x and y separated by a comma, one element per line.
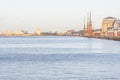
<point>54,15</point>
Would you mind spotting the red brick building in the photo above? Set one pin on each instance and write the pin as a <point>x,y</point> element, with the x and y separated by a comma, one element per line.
<point>110,32</point>
<point>97,33</point>
<point>118,32</point>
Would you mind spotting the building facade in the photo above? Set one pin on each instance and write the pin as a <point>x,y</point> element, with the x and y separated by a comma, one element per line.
<point>107,23</point>
<point>97,33</point>
<point>117,28</point>
<point>111,27</point>
<point>110,32</point>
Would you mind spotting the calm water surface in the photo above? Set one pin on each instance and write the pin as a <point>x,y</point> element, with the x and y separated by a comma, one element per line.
<point>59,58</point>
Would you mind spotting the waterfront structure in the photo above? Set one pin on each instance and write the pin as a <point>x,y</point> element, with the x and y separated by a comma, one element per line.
<point>106,24</point>
<point>60,33</point>
<point>111,27</point>
<point>88,29</point>
<point>20,32</point>
<point>70,32</point>
<point>110,32</point>
<point>76,33</point>
<point>117,28</point>
<point>38,32</point>
<point>7,33</point>
<point>97,33</point>
<point>16,33</point>
<point>81,32</point>
<point>118,32</point>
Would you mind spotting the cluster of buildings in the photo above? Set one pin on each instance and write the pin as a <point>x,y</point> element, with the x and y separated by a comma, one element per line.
<point>20,33</point>
<point>86,32</point>
<point>110,28</point>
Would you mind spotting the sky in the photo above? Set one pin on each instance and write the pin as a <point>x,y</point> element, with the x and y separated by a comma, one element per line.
<point>54,15</point>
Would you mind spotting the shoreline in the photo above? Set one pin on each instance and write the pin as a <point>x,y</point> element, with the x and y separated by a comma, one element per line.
<point>106,38</point>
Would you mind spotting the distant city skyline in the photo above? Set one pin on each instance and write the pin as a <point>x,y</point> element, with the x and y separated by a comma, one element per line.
<point>54,15</point>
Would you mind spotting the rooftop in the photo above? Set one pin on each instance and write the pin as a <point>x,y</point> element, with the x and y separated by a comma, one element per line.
<point>110,18</point>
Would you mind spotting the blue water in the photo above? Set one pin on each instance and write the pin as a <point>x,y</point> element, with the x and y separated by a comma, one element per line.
<point>59,58</point>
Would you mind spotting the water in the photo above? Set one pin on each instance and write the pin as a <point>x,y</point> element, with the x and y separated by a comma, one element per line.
<point>59,58</point>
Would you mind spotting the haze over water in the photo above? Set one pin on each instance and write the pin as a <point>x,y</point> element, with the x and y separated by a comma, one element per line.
<point>59,58</point>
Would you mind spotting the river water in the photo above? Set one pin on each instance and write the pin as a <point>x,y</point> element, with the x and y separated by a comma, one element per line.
<point>59,58</point>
